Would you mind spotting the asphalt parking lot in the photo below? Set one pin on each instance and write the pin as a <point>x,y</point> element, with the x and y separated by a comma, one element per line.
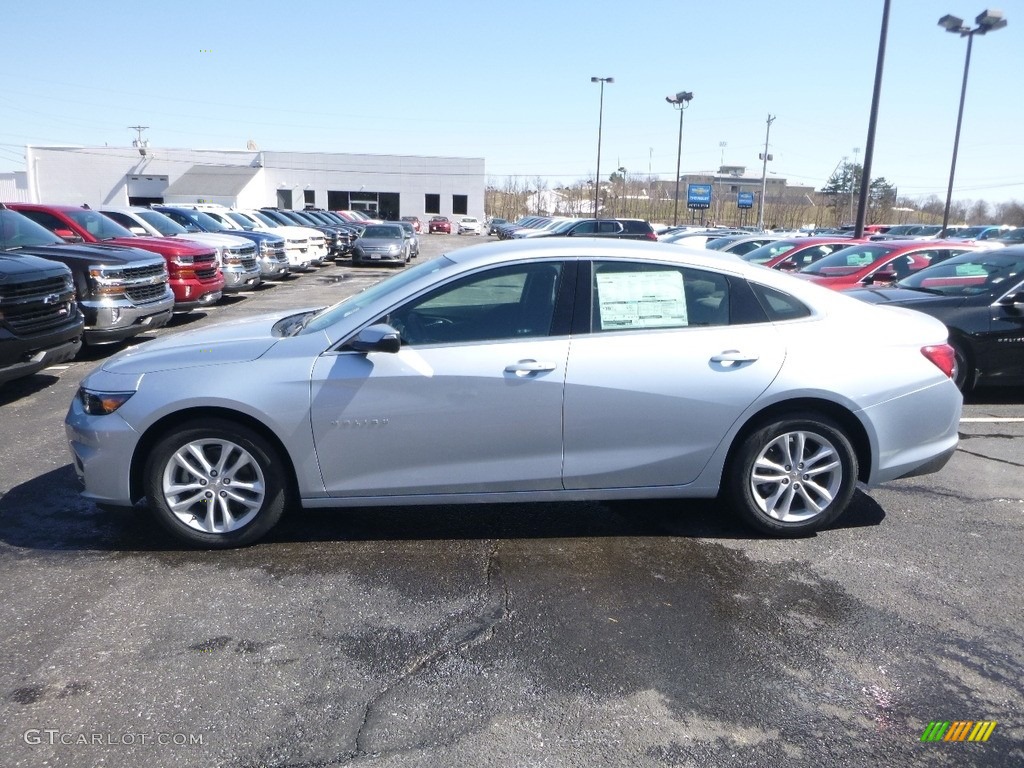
<point>647,634</point>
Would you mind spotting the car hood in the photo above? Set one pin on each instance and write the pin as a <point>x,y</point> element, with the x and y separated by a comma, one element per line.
<point>92,253</point>
<point>904,297</point>
<point>236,341</point>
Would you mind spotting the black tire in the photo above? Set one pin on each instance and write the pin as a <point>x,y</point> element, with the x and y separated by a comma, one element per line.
<point>794,499</point>
<point>963,374</point>
<point>242,514</point>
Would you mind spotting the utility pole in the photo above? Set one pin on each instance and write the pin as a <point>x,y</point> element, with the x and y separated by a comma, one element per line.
<point>765,157</point>
<point>140,143</point>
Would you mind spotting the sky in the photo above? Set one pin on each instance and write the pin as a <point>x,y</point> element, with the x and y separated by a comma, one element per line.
<point>510,83</point>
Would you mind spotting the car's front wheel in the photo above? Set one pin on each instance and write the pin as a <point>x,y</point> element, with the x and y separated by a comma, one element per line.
<point>215,483</point>
<point>793,475</point>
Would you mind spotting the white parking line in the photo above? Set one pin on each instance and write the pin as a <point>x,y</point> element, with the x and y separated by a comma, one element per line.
<point>992,420</point>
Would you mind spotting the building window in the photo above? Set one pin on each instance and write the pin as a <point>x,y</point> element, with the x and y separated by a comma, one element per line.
<point>309,197</point>
<point>460,205</point>
<point>431,203</point>
<point>284,198</point>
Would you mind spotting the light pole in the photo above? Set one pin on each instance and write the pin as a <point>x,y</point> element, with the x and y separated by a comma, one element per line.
<point>600,121</point>
<point>679,101</point>
<point>764,158</point>
<point>987,21</point>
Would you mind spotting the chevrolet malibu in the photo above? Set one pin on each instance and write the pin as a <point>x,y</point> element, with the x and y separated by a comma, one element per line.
<point>526,371</point>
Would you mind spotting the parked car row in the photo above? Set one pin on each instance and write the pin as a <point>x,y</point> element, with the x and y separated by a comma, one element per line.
<point>72,274</point>
<point>545,226</point>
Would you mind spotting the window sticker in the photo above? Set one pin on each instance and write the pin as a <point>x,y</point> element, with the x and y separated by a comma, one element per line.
<point>641,300</point>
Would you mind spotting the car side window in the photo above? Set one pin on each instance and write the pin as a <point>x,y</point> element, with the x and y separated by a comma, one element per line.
<point>504,303</point>
<point>630,296</point>
<point>585,228</point>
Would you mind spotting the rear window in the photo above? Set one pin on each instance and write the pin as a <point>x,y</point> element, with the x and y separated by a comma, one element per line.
<point>636,227</point>
<point>778,305</point>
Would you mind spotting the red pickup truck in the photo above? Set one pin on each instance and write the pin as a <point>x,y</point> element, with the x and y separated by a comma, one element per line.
<point>195,278</point>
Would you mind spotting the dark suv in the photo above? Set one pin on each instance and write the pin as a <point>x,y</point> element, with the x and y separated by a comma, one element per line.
<point>622,229</point>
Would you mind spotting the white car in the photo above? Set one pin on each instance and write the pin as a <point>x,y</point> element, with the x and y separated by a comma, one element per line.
<point>545,370</point>
<point>468,225</point>
<point>305,248</point>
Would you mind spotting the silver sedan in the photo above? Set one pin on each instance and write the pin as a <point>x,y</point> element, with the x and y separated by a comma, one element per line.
<point>526,371</point>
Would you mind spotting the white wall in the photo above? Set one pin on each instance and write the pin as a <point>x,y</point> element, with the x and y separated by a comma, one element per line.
<point>97,175</point>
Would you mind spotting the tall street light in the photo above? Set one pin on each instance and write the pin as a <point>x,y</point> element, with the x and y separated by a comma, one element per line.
<point>679,101</point>
<point>987,21</point>
<point>600,120</point>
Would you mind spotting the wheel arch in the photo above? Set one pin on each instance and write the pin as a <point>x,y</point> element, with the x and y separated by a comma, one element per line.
<point>163,426</point>
<point>851,425</point>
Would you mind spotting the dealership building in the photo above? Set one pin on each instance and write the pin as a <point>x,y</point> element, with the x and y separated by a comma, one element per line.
<point>388,186</point>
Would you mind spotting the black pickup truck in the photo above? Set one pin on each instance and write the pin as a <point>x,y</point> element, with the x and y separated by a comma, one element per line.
<point>40,323</point>
<point>121,291</point>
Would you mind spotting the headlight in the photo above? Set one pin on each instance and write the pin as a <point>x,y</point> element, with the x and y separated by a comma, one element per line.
<point>185,261</point>
<point>106,279</point>
<point>102,403</point>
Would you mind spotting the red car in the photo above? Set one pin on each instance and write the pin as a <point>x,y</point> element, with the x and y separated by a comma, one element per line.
<point>439,224</point>
<point>796,253</point>
<point>879,262</point>
<point>195,278</point>
<point>417,225</point>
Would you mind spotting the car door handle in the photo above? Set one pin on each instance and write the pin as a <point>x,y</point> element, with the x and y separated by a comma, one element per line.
<point>733,356</point>
<point>526,367</point>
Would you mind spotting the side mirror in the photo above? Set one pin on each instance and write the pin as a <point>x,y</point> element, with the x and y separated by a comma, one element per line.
<point>376,338</point>
<point>1015,299</point>
<point>68,236</point>
<point>881,276</point>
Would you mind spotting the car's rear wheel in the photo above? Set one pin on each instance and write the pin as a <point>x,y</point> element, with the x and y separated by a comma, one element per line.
<point>963,372</point>
<point>215,483</point>
<point>793,475</point>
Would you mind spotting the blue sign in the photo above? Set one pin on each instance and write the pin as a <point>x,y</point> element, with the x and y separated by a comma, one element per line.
<point>698,195</point>
<point>745,199</point>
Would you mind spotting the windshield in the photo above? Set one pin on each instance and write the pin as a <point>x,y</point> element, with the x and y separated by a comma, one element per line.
<point>719,243</point>
<point>164,225</point>
<point>208,223</point>
<point>329,316</point>
<point>768,252</point>
<point>846,261</point>
<point>1012,236</point>
<point>96,224</point>
<point>241,220</point>
<point>969,274</point>
<point>264,219</point>
<point>383,232</point>
<point>17,231</point>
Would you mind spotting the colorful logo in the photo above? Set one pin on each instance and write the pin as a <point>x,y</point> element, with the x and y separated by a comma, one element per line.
<point>958,730</point>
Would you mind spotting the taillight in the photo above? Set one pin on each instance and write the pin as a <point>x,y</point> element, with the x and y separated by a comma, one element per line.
<point>943,357</point>
<point>650,236</point>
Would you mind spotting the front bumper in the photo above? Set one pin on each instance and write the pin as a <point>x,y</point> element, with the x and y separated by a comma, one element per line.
<point>101,452</point>
<point>32,360</point>
<point>107,322</point>
<point>240,279</point>
<point>274,267</point>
